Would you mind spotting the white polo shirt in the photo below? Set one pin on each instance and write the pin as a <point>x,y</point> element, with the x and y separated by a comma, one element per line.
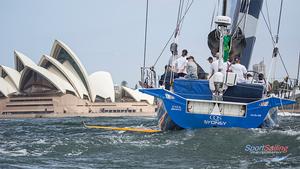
<point>173,59</point>
<point>180,65</point>
<point>214,66</point>
<point>240,70</point>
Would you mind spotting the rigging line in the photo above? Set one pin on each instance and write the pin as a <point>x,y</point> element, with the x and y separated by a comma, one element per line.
<point>285,69</point>
<point>181,8</point>
<point>246,11</point>
<point>186,8</point>
<point>268,15</point>
<point>179,11</point>
<point>275,42</point>
<point>180,23</point>
<point>287,73</point>
<point>178,28</point>
<point>146,29</point>
<point>298,70</point>
<point>279,21</point>
<point>182,17</point>
<point>277,36</point>
<point>164,82</point>
<point>269,73</point>
<point>164,48</point>
<point>239,22</point>
<point>185,13</point>
<point>269,29</point>
<point>178,17</point>
<point>237,27</point>
<point>242,18</point>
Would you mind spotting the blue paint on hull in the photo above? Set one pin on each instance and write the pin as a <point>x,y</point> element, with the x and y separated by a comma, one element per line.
<point>176,109</point>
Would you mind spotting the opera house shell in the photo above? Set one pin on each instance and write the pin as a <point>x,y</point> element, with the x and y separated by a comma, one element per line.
<point>58,83</point>
<point>60,73</point>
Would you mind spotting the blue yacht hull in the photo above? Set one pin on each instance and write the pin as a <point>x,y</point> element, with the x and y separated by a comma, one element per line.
<point>175,114</point>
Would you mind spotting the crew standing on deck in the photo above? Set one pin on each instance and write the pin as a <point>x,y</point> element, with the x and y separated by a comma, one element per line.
<point>227,65</point>
<point>214,65</point>
<point>180,64</point>
<point>212,70</point>
<point>174,55</point>
<point>191,68</point>
<point>239,69</point>
<point>166,78</point>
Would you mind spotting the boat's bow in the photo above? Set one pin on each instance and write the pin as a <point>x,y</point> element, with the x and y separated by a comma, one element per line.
<point>162,94</point>
<point>271,102</point>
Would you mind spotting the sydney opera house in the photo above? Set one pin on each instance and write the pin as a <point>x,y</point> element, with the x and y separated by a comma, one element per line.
<point>60,84</point>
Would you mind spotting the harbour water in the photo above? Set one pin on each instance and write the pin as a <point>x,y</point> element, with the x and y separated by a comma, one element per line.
<point>65,143</point>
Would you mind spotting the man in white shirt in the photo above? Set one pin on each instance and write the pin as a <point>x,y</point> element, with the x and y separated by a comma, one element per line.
<point>227,65</point>
<point>261,79</point>
<point>174,56</point>
<point>212,71</point>
<point>249,78</point>
<point>214,65</point>
<point>180,64</point>
<point>240,70</point>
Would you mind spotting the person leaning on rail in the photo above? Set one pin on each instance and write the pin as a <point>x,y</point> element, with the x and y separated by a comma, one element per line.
<point>166,78</point>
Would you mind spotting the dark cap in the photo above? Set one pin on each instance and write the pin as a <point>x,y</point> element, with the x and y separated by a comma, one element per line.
<point>237,58</point>
<point>167,66</point>
<point>210,58</point>
<point>184,51</point>
<point>190,57</point>
<point>173,48</point>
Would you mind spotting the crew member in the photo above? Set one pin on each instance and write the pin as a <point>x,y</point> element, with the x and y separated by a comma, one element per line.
<point>166,78</point>
<point>174,55</point>
<point>239,69</point>
<point>180,64</point>
<point>214,65</point>
<point>191,68</point>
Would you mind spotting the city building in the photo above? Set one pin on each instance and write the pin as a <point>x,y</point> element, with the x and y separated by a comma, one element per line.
<point>259,68</point>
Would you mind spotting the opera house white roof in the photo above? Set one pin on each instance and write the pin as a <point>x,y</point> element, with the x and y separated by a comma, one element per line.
<point>139,96</point>
<point>60,73</point>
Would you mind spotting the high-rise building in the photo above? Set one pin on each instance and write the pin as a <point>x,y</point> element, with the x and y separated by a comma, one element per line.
<point>259,68</point>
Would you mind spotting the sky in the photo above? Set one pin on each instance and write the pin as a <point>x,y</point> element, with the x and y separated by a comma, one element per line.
<point>108,35</point>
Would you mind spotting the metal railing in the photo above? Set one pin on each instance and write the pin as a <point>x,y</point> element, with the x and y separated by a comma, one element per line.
<point>148,77</point>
